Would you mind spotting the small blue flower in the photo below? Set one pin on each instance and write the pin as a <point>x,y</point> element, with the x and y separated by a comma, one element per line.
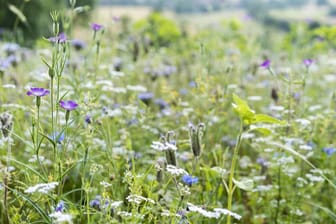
<point>329,150</point>
<point>57,137</point>
<point>88,119</point>
<point>60,207</point>
<point>95,203</point>
<point>146,97</point>
<point>189,180</point>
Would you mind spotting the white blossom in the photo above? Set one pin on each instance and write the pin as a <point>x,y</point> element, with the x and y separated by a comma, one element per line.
<point>41,188</point>
<point>175,171</point>
<point>60,217</point>
<point>137,199</point>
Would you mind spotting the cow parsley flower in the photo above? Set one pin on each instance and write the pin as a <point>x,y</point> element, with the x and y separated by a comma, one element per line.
<point>173,170</point>
<point>61,218</point>
<point>42,188</point>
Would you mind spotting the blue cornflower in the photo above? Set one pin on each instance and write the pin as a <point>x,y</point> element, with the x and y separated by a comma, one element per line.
<point>95,203</point>
<point>57,137</point>
<point>329,150</point>
<point>146,97</point>
<point>189,180</point>
<point>88,119</point>
<point>60,207</point>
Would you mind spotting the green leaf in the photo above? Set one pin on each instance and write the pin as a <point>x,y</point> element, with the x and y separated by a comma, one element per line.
<point>17,12</point>
<point>262,130</point>
<point>242,108</point>
<point>245,184</point>
<point>263,118</point>
<point>34,204</point>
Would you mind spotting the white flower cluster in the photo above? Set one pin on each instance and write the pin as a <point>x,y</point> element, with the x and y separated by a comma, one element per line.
<point>137,199</point>
<point>163,146</point>
<point>41,188</point>
<point>216,213</point>
<point>173,170</point>
<point>60,217</point>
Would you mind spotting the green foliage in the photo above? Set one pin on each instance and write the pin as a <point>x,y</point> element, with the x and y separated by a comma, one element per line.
<point>161,30</point>
<point>31,19</point>
<point>248,116</point>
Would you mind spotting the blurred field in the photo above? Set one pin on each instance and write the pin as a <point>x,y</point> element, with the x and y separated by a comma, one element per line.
<point>306,13</point>
<point>105,14</point>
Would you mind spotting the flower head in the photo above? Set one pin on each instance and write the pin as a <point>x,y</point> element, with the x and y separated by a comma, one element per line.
<point>88,119</point>
<point>96,27</point>
<point>58,137</point>
<point>68,105</point>
<point>78,44</point>
<point>189,180</point>
<point>329,150</point>
<point>266,64</point>
<point>61,38</point>
<point>308,62</point>
<point>146,97</point>
<point>60,207</point>
<point>34,91</point>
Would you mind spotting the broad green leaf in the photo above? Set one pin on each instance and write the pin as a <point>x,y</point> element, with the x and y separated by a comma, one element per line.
<point>17,12</point>
<point>262,130</point>
<point>263,118</point>
<point>242,108</point>
<point>245,184</point>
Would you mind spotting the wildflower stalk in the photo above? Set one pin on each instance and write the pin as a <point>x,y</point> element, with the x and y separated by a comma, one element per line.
<point>37,141</point>
<point>231,188</point>
<point>6,180</point>
<point>279,195</point>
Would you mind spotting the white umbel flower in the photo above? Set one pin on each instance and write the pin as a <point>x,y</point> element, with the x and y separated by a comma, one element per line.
<point>61,218</point>
<point>41,188</point>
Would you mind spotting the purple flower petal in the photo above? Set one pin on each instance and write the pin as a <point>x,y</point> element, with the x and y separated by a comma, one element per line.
<point>68,105</point>
<point>61,38</point>
<point>266,64</point>
<point>96,27</point>
<point>34,91</point>
<point>308,62</point>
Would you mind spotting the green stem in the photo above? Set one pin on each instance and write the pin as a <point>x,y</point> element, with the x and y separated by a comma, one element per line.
<point>232,170</point>
<point>6,177</point>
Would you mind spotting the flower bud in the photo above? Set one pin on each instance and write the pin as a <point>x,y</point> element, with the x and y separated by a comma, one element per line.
<point>196,138</point>
<point>6,123</point>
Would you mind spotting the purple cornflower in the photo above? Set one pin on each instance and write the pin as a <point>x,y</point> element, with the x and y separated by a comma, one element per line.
<point>78,44</point>
<point>95,203</point>
<point>189,180</point>
<point>308,62</point>
<point>68,105</point>
<point>34,91</point>
<point>88,119</point>
<point>161,103</point>
<point>61,38</point>
<point>96,27</point>
<point>60,207</point>
<point>146,97</point>
<point>261,161</point>
<point>329,150</point>
<point>266,64</point>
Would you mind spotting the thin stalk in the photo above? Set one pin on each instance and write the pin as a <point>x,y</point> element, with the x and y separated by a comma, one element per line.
<point>279,196</point>
<point>232,170</point>
<point>38,143</point>
<point>6,177</point>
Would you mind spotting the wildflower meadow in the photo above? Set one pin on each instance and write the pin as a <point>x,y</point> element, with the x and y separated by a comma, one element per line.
<point>156,120</point>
